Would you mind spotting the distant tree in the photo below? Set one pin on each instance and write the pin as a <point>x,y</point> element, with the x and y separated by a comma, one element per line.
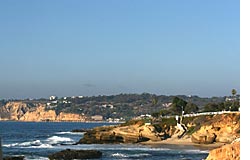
<point>211,107</point>
<point>178,105</point>
<point>164,112</point>
<point>233,106</point>
<point>154,101</point>
<point>156,114</point>
<point>234,92</point>
<point>191,107</point>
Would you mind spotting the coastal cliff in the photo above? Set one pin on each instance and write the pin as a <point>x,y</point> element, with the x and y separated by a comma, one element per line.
<point>19,111</point>
<point>14,110</point>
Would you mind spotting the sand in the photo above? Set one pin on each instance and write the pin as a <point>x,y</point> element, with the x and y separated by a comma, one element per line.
<point>184,143</point>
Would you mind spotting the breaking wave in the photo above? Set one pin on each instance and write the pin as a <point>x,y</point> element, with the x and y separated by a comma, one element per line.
<point>31,144</point>
<point>122,155</point>
<point>54,140</point>
<point>48,143</point>
<point>74,133</point>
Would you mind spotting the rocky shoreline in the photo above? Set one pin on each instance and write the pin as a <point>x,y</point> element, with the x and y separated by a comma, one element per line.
<point>212,132</point>
<point>209,132</point>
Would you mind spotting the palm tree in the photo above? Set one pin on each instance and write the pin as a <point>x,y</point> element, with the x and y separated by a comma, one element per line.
<point>234,92</point>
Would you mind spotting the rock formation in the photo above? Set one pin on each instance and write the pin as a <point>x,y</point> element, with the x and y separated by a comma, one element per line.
<point>19,111</point>
<point>13,110</point>
<point>69,154</point>
<point>226,152</point>
<point>121,134</point>
<point>14,158</point>
<point>70,117</point>
<point>221,128</point>
<point>39,114</point>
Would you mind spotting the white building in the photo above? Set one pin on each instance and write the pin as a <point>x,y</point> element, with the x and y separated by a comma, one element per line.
<point>52,98</point>
<point>108,105</point>
<point>97,117</point>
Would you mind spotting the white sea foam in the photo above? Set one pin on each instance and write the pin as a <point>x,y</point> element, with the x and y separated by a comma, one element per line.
<point>119,155</point>
<point>123,147</point>
<point>58,140</point>
<point>30,144</point>
<point>35,158</point>
<point>10,145</point>
<point>74,133</point>
<point>197,151</point>
<point>42,146</point>
<point>48,143</point>
<point>139,155</point>
<point>24,144</point>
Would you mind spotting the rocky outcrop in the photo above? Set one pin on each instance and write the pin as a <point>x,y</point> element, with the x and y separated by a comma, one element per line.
<point>121,134</point>
<point>19,111</point>
<point>80,130</point>
<point>203,138</point>
<point>226,152</point>
<point>209,129</point>
<point>69,154</point>
<point>14,158</point>
<point>221,128</point>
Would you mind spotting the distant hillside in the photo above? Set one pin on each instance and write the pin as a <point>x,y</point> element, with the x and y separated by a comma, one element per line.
<point>122,106</point>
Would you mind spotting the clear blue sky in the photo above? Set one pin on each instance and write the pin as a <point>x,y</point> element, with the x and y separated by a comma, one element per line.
<point>96,47</point>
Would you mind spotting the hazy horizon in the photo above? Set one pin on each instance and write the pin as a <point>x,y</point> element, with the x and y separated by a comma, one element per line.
<point>70,48</point>
<point>62,96</point>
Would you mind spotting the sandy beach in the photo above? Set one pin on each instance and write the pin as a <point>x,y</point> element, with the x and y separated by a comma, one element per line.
<point>183,143</point>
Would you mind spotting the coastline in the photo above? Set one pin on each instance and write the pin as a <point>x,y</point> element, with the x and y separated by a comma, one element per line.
<point>64,121</point>
<point>184,143</point>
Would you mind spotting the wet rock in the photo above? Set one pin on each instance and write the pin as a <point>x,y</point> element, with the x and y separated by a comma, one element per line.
<point>14,158</point>
<point>69,154</point>
<point>80,130</point>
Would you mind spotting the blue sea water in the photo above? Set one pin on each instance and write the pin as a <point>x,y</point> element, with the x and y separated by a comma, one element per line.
<point>36,140</point>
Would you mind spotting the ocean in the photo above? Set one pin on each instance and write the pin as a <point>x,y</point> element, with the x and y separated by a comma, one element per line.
<point>36,140</point>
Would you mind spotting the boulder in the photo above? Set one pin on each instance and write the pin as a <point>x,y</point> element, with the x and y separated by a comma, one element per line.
<point>203,138</point>
<point>69,154</point>
<point>100,135</point>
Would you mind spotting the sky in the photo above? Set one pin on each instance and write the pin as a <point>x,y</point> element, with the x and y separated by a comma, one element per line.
<point>95,47</point>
